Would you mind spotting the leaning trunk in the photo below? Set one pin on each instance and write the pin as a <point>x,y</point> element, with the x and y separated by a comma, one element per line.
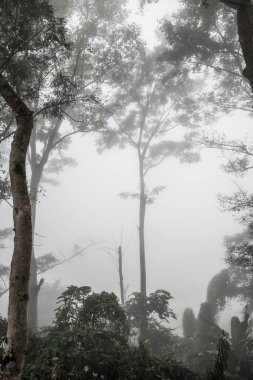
<point>16,338</point>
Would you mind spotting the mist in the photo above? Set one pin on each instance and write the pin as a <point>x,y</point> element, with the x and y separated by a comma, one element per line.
<point>104,185</point>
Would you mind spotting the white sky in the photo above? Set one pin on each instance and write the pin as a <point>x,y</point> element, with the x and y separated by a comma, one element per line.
<point>185,229</point>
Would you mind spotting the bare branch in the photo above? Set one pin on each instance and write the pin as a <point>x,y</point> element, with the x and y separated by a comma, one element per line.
<point>78,253</point>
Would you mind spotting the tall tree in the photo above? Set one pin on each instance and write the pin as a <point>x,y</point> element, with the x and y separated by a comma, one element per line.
<point>157,103</point>
<point>16,338</point>
<point>29,42</point>
<point>103,45</point>
<point>30,56</point>
<point>188,323</point>
<point>69,88</point>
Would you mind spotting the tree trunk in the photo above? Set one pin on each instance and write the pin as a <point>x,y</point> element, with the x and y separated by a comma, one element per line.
<point>33,283</point>
<point>142,209</point>
<point>33,295</point>
<point>37,171</point>
<point>143,287</point>
<point>121,283</point>
<point>16,339</point>
<point>245,32</point>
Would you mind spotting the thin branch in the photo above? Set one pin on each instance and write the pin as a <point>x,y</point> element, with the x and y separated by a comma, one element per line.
<point>134,143</point>
<point>71,118</point>
<point>156,129</point>
<point>67,259</point>
<point>224,146</point>
<point>154,165</point>
<point>8,203</point>
<point>224,40</point>
<point>6,137</point>
<point>20,48</point>
<point>64,137</point>
<point>3,292</point>
<point>220,69</point>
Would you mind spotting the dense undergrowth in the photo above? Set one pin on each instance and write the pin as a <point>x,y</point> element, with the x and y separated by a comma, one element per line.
<point>94,337</point>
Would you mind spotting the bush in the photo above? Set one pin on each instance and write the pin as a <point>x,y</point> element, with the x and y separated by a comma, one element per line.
<point>90,340</point>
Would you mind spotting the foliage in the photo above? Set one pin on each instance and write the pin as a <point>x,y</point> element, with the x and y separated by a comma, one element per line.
<point>241,358</point>
<point>3,330</point>
<point>239,249</point>
<point>234,282</point>
<point>45,262</point>
<point>189,323</point>
<point>158,336</point>
<point>88,334</point>
<point>221,361</point>
<point>239,257</point>
<point>47,302</point>
<point>156,306</point>
<point>90,339</point>
<point>217,290</point>
<point>155,104</point>
<point>4,183</point>
<point>233,356</point>
<point>150,196</point>
<point>206,41</point>
<point>139,364</point>
<point>120,364</point>
<point>144,2</point>
<point>238,152</point>
<point>207,334</point>
<point>4,189</point>
<point>70,301</point>
<point>103,46</point>
<point>33,44</point>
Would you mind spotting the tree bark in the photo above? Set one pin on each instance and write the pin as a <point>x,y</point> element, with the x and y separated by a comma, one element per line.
<point>245,32</point>
<point>16,339</point>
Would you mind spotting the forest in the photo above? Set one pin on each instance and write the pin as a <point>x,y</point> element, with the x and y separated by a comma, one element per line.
<point>126,153</point>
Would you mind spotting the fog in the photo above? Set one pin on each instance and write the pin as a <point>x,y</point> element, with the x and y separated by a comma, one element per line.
<point>184,230</point>
<point>185,227</point>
